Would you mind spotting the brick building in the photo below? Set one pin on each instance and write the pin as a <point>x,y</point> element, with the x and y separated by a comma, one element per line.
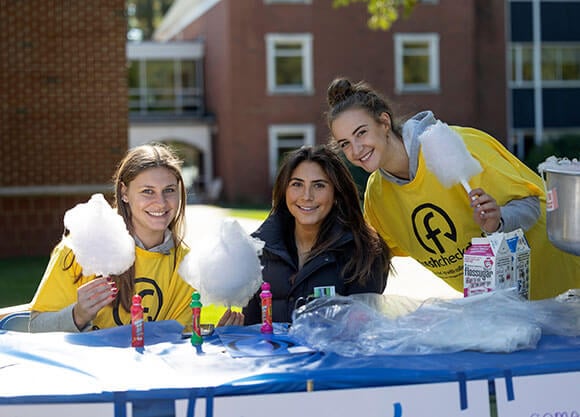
<point>238,82</point>
<point>268,64</point>
<point>63,117</point>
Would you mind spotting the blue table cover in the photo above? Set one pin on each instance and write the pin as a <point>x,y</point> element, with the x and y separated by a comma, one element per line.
<point>101,365</point>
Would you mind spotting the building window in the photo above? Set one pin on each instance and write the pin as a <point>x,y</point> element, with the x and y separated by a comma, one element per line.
<point>416,62</point>
<point>165,86</point>
<point>560,64</point>
<point>285,138</point>
<point>289,63</point>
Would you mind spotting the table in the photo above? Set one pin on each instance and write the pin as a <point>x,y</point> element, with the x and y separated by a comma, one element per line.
<point>100,374</point>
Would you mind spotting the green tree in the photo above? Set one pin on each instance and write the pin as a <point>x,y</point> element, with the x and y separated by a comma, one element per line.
<point>383,13</point>
<point>567,146</point>
<point>145,15</point>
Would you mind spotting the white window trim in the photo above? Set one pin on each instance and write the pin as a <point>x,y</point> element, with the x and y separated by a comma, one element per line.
<point>164,51</point>
<point>433,40</point>
<point>306,40</point>
<point>519,82</point>
<point>274,132</point>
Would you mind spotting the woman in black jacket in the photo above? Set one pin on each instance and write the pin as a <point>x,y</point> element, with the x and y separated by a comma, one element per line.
<point>317,241</point>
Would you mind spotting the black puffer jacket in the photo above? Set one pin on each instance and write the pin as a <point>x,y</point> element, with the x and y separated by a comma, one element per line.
<point>281,264</point>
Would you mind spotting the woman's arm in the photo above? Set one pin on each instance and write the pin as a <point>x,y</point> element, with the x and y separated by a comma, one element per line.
<point>522,213</point>
<point>76,316</point>
<point>55,321</point>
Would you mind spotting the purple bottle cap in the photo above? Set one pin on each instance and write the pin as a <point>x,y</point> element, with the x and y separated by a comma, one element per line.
<point>265,286</point>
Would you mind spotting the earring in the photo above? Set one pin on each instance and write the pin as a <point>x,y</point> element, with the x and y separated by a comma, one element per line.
<point>124,199</point>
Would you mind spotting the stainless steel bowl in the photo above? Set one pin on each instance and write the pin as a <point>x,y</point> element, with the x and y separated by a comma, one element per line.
<point>563,205</point>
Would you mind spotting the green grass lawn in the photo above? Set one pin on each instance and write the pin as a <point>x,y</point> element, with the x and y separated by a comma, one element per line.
<point>255,214</point>
<point>19,277</point>
<point>248,211</point>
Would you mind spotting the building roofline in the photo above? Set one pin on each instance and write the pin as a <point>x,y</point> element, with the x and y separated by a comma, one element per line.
<point>179,16</point>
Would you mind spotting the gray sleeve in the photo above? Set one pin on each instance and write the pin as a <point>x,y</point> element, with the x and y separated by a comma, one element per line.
<point>54,321</point>
<point>523,213</point>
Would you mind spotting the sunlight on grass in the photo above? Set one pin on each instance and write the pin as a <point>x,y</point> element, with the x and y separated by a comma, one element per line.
<point>255,214</point>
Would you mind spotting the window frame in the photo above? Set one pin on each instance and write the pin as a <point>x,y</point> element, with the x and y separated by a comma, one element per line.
<point>432,39</point>
<point>516,64</point>
<point>274,142</point>
<point>274,39</point>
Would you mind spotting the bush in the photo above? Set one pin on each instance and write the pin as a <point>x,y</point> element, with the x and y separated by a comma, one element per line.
<point>565,146</point>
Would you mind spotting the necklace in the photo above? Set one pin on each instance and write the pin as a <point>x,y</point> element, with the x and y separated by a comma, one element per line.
<point>301,250</point>
<point>302,254</point>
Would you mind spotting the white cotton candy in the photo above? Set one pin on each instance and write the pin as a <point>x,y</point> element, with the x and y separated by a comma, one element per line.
<point>226,271</point>
<point>99,238</point>
<point>447,157</point>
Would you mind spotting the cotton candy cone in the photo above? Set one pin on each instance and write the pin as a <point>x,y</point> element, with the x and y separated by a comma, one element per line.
<point>227,272</point>
<point>447,157</point>
<point>99,238</point>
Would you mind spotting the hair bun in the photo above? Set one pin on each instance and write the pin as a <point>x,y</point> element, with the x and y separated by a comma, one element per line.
<point>339,90</point>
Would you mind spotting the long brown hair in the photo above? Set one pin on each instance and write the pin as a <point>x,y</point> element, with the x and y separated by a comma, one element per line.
<point>137,160</point>
<point>346,211</point>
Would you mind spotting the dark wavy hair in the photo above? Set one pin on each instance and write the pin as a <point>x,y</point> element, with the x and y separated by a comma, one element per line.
<point>346,212</point>
<point>343,95</point>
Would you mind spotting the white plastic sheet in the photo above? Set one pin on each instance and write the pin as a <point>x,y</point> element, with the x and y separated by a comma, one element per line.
<point>500,321</point>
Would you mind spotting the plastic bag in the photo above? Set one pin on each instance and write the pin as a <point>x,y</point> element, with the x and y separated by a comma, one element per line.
<point>499,321</point>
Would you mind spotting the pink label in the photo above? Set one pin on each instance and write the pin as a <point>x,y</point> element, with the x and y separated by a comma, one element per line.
<point>482,250</point>
<point>551,200</point>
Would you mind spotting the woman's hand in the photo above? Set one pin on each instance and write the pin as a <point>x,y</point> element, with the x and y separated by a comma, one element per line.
<point>231,318</point>
<point>91,298</point>
<point>486,212</point>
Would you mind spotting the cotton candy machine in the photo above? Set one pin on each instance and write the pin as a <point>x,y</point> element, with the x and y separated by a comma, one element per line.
<point>562,181</point>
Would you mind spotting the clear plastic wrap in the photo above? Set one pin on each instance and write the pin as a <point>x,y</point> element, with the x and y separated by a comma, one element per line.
<point>499,321</point>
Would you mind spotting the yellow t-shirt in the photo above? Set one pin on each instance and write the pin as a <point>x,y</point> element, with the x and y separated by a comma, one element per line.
<point>165,295</point>
<point>434,224</point>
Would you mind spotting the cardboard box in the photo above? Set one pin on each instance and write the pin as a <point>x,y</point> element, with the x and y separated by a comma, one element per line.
<point>488,265</point>
<point>520,249</point>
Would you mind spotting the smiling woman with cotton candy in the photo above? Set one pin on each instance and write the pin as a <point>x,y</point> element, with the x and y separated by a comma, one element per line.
<point>107,255</point>
<point>434,187</point>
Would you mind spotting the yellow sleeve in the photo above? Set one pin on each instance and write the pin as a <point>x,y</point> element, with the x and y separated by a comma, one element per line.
<point>504,176</point>
<point>374,218</point>
<point>57,288</point>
